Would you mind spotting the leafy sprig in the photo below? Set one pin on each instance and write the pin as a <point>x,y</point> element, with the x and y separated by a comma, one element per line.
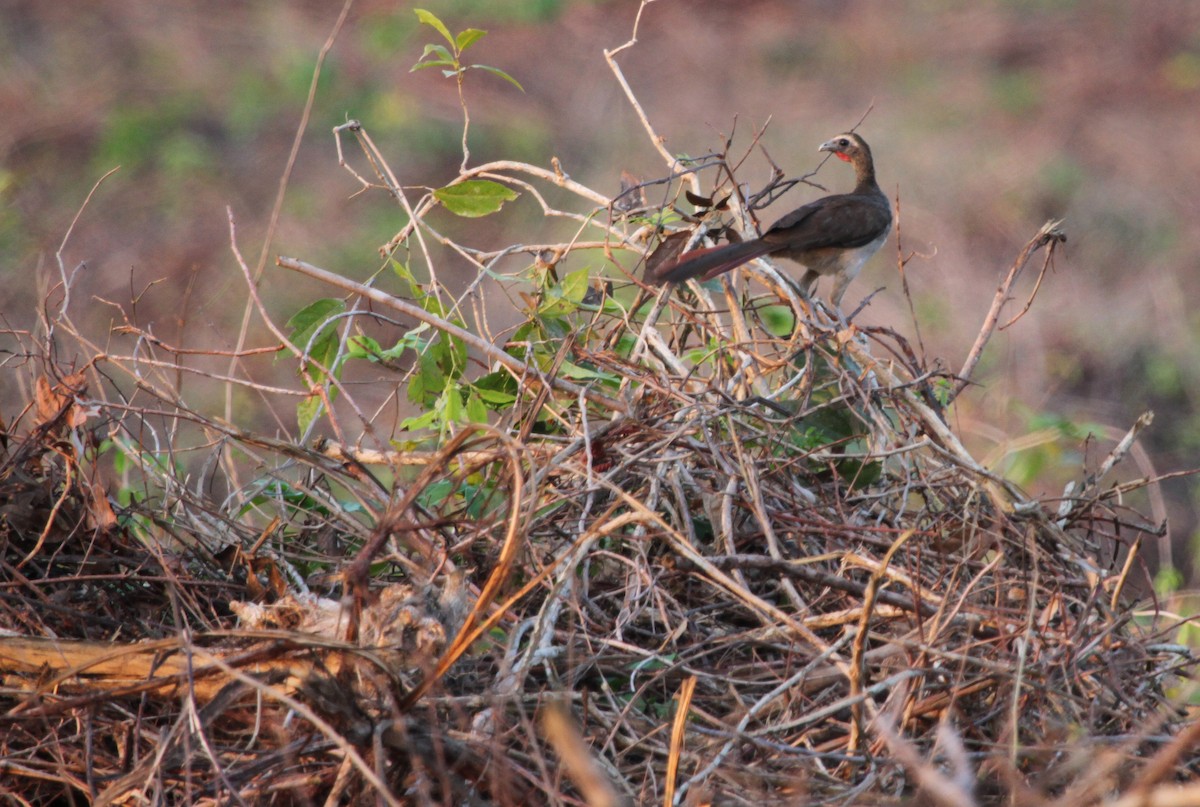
<point>450,58</point>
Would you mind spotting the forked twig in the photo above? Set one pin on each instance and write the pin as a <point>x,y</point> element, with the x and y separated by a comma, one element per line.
<point>1050,235</point>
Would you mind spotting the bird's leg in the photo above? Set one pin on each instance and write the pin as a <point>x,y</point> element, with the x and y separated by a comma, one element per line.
<point>808,284</point>
<point>841,282</point>
<point>808,288</point>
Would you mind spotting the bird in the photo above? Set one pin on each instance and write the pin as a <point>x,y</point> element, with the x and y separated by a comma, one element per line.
<point>835,235</point>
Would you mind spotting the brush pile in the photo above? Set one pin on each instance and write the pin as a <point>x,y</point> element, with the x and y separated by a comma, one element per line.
<point>688,562</point>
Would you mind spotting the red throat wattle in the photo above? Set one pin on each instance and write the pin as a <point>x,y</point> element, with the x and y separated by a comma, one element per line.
<point>842,156</point>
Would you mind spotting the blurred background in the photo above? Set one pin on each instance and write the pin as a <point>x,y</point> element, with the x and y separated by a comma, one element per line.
<point>986,119</point>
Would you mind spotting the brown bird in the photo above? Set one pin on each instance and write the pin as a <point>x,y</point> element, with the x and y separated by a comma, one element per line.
<point>834,235</point>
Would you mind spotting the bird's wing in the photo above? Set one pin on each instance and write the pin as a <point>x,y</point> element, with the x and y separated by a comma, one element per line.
<point>843,221</point>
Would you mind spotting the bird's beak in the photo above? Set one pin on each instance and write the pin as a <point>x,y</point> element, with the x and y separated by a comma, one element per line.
<point>827,146</point>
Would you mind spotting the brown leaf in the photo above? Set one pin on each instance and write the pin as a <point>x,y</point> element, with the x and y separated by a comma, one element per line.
<point>49,403</point>
<point>631,197</point>
<point>57,402</point>
<point>103,517</point>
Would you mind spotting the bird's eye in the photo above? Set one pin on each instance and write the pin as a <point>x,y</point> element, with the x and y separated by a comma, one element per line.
<point>843,142</point>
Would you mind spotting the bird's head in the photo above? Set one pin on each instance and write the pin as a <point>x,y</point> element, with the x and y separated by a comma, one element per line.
<point>848,147</point>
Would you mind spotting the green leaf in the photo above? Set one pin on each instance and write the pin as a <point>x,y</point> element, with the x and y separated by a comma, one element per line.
<point>575,285</point>
<point>779,320</point>
<point>1168,581</point>
<point>430,19</point>
<point>625,345</point>
<point>120,460</point>
<point>467,38</point>
<point>497,389</point>
<point>363,347</point>
<point>416,390</point>
<point>526,331</point>
<point>444,58</point>
<point>476,411</point>
<point>410,341</point>
<point>457,354</point>
<point>433,305</point>
<point>323,350</point>
<point>475,197</point>
<point>494,397</point>
<point>455,411</point>
<point>314,315</point>
<point>395,351</point>
<point>431,374</point>
<point>555,304</point>
<point>437,63</point>
<point>555,328</point>
<point>498,72</point>
<point>436,493</point>
<point>860,475</point>
<point>942,390</point>
<point>421,421</point>
<point>404,273</point>
<point>307,411</point>
<point>443,55</point>
<point>580,373</point>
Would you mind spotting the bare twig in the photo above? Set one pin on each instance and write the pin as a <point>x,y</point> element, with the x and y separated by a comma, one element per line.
<point>284,180</point>
<point>1050,235</point>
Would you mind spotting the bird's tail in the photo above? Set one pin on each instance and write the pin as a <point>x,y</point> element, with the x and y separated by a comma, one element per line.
<point>709,262</point>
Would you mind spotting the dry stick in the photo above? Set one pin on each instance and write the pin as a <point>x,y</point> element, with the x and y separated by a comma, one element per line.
<point>1050,235</point>
<point>1169,795</point>
<point>759,706</point>
<point>1022,646</point>
<point>284,179</point>
<point>1160,765</point>
<point>936,786</point>
<point>1127,568</point>
<point>366,456</point>
<point>486,348</point>
<point>655,139</point>
<point>577,757</point>
<point>62,246</point>
<point>356,573</point>
<point>382,791</point>
<point>300,352</point>
<point>766,611</point>
<point>557,177</point>
<point>384,171</point>
<point>465,640</point>
<point>1070,502</point>
<point>508,549</point>
<point>759,508</point>
<point>678,728</point>
<point>1121,449</point>
<point>1002,495</point>
<point>858,666</point>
